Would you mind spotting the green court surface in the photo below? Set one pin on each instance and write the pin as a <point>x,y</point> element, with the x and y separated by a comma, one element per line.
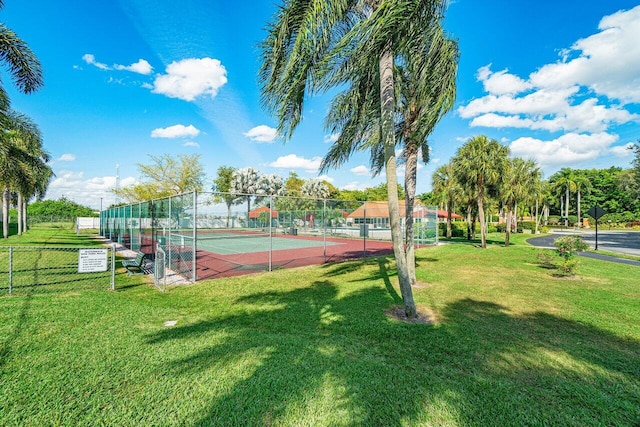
<point>240,244</point>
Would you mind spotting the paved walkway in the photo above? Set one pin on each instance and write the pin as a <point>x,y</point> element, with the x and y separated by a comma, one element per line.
<point>624,242</point>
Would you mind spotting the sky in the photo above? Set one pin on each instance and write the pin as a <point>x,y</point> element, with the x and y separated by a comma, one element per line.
<point>555,81</point>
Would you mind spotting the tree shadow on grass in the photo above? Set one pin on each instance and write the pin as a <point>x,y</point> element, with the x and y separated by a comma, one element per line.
<point>317,356</point>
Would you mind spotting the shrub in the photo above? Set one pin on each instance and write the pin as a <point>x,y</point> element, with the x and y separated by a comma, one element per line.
<point>568,246</point>
<point>568,267</point>
<point>458,229</point>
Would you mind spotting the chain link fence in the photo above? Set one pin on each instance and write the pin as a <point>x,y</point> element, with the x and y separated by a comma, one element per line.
<point>28,269</point>
<point>208,235</point>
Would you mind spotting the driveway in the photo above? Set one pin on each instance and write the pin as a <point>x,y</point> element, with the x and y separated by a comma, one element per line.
<point>623,242</point>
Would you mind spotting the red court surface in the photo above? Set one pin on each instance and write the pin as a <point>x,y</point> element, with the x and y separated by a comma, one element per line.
<point>211,265</point>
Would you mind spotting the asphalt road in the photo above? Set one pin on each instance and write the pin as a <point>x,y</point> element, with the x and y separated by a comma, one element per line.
<point>624,242</point>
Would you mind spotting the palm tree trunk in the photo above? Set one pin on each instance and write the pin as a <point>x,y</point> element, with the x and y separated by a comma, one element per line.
<point>507,237</point>
<point>537,218</point>
<point>24,215</point>
<point>514,216</point>
<point>579,213</point>
<point>19,214</point>
<point>387,107</point>
<point>469,208</point>
<point>483,227</point>
<point>566,220</point>
<point>410,174</point>
<point>5,213</point>
<point>449,207</point>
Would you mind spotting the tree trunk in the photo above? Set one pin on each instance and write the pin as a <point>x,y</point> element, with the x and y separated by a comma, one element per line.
<point>19,214</point>
<point>449,207</point>
<point>410,176</point>
<point>566,220</point>
<point>5,213</point>
<point>483,227</point>
<point>537,218</point>
<point>579,212</point>
<point>514,217</point>
<point>228,213</point>
<point>469,208</point>
<point>24,215</point>
<point>387,107</point>
<point>507,237</point>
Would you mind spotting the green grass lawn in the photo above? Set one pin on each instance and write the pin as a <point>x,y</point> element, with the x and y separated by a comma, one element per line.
<point>511,345</point>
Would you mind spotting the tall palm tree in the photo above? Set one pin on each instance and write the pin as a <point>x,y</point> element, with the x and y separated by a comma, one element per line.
<point>316,45</point>
<point>426,84</point>
<point>23,164</point>
<point>582,185</point>
<point>565,181</point>
<point>247,183</point>
<point>480,164</point>
<point>446,187</point>
<point>518,185</point>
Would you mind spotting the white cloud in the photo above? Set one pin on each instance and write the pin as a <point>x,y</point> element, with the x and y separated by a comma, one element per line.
<point>584,92</point>
<point>606,62</point>
<point>354,185</point>
<point>191,78</point>
<point>262,133</point>
<point>91,60</point>
<point>330,139</point>
<point>175,131</point>
<point>140,67</point>
<point>570,148</point>
<point>191,144</point>
<point>622,150</point>
<point>326,178</point>
<point>67,157</point>
<point>292,161</point>
<point>361,170</point>
<point>86,191</point>
<point>501,82</point>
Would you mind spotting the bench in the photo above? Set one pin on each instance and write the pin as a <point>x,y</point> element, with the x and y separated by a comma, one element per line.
<point>135,266</point>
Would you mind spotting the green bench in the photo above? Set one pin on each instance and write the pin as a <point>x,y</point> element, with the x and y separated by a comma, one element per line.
<point>137,265</point>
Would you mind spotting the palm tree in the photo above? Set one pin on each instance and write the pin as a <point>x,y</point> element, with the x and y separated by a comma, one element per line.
<point>315,188</point>
<point>426,85</point>
<point>23,164</point>
<point>316,45</point>
<point>565,181</point>
<point>582,184</point>
<point>480,164</point>
<point>246,183</point>
<point>446,187</point>
<point>518,185</point>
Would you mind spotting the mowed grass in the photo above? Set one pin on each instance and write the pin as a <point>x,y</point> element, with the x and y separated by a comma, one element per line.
<point>511,344</point>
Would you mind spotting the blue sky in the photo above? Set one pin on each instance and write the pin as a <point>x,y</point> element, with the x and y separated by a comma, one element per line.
<point>556,81</point>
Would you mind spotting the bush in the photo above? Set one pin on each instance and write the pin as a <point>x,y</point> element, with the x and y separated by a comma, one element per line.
<point>458,229</point>
<point>568,267</point>
<point>526,225</point>
<point>568,246</point>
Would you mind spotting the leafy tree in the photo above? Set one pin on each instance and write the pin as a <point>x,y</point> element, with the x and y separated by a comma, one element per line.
<point>62,207</point>
<point>316,45</point>
<point>165,176</point>
<point>479,165</point>
<point>223,184</point>
<point>635,171</point>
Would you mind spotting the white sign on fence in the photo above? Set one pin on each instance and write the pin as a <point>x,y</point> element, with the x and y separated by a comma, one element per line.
<point>92,260</point>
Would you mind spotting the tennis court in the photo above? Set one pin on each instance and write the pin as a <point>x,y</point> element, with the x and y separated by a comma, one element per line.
<point>210,235</point>
<point>227,243</point>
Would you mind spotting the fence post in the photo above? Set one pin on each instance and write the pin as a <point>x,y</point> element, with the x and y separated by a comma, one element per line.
<point>270,232</point>
<point>113,266</point>
<point>10,269</point>
<point>195,237</point>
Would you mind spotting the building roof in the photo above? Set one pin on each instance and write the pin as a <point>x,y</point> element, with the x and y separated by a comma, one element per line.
<point>381,210</point>
<point>255,214</point>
